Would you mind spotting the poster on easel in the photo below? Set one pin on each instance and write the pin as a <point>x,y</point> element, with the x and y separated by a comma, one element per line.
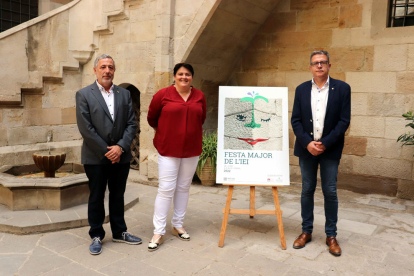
<point>253,136</point>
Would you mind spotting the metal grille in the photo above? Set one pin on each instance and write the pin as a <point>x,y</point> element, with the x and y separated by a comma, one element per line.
<point>401,13</point>
<point>15,12</point>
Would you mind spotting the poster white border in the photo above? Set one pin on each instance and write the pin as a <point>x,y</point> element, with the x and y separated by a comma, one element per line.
<point>270,171</point>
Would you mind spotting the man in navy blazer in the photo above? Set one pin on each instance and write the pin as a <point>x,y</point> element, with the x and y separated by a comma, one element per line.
<point>320,117</point>
<point>106,120</point>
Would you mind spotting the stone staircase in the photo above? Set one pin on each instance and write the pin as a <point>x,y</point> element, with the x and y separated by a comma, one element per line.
<point>51,47</point>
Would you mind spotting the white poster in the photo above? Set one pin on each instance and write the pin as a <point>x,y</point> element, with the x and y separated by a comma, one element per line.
<point>253,136</point>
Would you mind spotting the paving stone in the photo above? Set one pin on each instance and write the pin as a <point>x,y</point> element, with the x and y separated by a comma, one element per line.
<point>211,216</point>
<point>131,266</point>
<point>371,268</point>
<point>177,261</point>
<point>262,265</point>
<point>41,261</point>
<point>72,269</point>
<point>272,250</point>
<point>346,263</point>
<point>393,222</point>
<point>388,205</point>
<point>25,243</point>
<point>28,218</point>
<point>196,223</point>
<point>286,212</point>
<point>138,251</point>
<point>356,227</point>
<point>370,241</point>
<point>59,216</point>
<point>141,208</point>
<point>395,235</point>
<point>10,263</point>
<point>292,205</point>
<point>290,224</point>
<point>307,264</point>
<point>359,249</point>
<point>311,251</point>
<point>82,256</point>
<point>195,245</point>
<point>296,271</point>
<point>318,219</point>
<point>82,232</point>
<point>211,198</point>
<point>202,205</point>
<point>344,214</point>
<point>401,260</point>
<point>219,268</point>
<point>225,254</point>
<point>145,231</point>
<point>336,272</point>
<point>62,241</point>
<point>252,224</point>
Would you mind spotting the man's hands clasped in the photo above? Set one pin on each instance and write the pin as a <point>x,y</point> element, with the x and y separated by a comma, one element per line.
<point>316,148</point>
<point>114,154</point>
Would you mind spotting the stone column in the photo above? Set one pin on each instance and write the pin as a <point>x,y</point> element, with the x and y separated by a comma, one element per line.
<point>164,46</point>
<point>163,62</point>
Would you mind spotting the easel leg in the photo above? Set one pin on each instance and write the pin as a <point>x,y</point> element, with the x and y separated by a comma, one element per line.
<point>226,216</point>
<point>252,201</point>
<point>279,218</point>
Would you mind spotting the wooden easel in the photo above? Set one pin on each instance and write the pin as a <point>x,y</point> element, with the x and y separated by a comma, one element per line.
<point>252,211</point>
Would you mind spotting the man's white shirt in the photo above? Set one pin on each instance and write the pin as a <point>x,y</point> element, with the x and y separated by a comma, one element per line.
<point>319,100</point>
<point>108,97</point>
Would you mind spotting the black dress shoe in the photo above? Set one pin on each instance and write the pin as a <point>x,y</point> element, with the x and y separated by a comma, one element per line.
<point>127,238</point>
<point>96,246</point>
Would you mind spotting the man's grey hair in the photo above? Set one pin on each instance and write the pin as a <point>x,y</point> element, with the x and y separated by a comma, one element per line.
<point>319,53</point>
<point>104,56</point>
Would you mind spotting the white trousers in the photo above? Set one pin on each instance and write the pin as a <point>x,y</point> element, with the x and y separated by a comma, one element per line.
<point>175,176</point>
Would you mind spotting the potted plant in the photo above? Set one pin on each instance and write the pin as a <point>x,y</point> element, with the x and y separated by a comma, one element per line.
<point>206,167</point>
<point>407,138</point>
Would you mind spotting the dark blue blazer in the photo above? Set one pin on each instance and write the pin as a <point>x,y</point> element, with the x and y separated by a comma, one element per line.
<point>337,119</point>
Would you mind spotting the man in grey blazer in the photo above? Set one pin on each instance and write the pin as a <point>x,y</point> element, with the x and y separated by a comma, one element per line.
<point>106,120</point>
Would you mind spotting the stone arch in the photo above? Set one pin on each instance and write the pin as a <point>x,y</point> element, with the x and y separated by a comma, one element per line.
<point>136,102</point>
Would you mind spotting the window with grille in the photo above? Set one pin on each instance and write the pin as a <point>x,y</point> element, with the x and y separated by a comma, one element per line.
<point>14,12</point>
<point>401,13</point>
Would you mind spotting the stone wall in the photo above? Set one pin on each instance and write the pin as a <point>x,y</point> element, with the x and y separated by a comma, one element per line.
<point>376,62</point>
<point>229,42</point>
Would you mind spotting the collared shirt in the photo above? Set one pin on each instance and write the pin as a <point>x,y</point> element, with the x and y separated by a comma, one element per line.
<point>319,100</point>
<point>108,97</point>
<point>179,123</point>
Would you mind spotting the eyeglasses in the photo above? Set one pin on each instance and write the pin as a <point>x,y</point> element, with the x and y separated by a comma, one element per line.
<point>319,63</point>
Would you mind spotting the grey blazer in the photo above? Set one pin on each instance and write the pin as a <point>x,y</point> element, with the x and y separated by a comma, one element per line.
<point>97,127</point>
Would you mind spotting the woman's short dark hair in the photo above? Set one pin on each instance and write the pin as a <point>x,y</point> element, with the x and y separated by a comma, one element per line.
<point>186,66</point>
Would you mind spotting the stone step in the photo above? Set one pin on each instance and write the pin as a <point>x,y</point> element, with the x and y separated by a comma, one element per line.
<point>38,221</point>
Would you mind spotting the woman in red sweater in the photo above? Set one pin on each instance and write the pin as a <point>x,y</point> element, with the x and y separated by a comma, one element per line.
<point>177,114</point>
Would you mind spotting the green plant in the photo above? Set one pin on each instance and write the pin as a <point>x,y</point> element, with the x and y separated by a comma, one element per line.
<point>407,138</point>
<point>209,150</point>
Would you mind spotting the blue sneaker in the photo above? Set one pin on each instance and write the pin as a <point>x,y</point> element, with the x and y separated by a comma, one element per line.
<point>127,238</point>
<point>96,246</point>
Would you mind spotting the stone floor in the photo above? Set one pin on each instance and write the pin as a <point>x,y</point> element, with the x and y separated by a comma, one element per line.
<point>376,234</point>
